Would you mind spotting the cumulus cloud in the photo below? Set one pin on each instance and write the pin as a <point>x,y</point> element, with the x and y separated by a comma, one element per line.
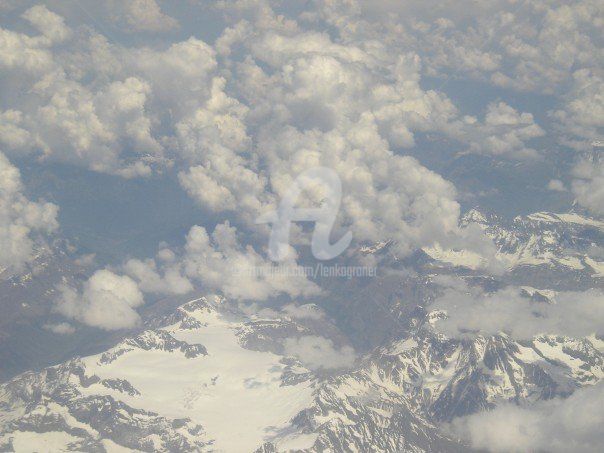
<point>151,281</point>
<point>319,352</point>
<point>106,300</point>
<point>237,122</point>
<point>311,107</point>
<point>240,121</point>
<point>579,125</point>
<point>30,54</point>
<point>12,135</point>
<point>181,75</point>
<point>23,222</point>
<point>487,41</point>
<point>306,100</point>
<point>213,139</point>
<point>97,104</point>
<point>141,16</point>
<point>588,185</point>
<point>94,128</point>
<point>219,262</point>
<point>581,120</point>
<point>470,311</point>
<point>51,25</point>
<point>215,262</point>
<point>504,132</point>
<point>559,425</point>
<point>285,101</point>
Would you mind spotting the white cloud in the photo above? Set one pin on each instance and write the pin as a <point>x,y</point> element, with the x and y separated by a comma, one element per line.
<point>581,120</point>
<point>305,100</point>
<point>529,46</point>
<point>22,52</point>
<point>470,311</point>
<point>106,301</point>
<point>141,16</point>
<point>239,121</point>
<point>86,260</point>
<point>94,129</point>
<point>240,129</point>
<point>504,132</point>
<point>150,280</point>
<point>51,25</point>
<point>220,263</point>
<point>61,328</point>
<point>588,185</point>
<point>23,223</point>
<point>559,425</point>
<point>213,139</point>
<point>180,76</point>
<point>12,134</point>
<point>101,105</point>
<point>325,104</point>
<point>319,352</point>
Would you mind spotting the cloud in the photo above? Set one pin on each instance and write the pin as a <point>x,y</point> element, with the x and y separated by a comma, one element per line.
<point>20,52</point>
<point>319,352</point>
<point>106,301</point>
<point>141,16</point>
<point>23,223</point>
<point>87,260</point>
<point>220,263</point>
<point>307,74</point>
<point>470,311</point>
<point>239,122</point>
<point>180,76</point>
<point>214,139</point>
<point>486,42</point>
<point>51,25</point>
<point>97,104</point>
<point>150,281</point>
<point>12,134</point>
<point>216,262</point>
<point>588,185</point>
<point>299,100</point>
<point>556,185</point>
<point>305,311</point>
<point>305,100</point>
<point>558,425</point>
<point>504,132</point>
<point>78,125</point>
<point>61,328</point>
<point>580,121</point>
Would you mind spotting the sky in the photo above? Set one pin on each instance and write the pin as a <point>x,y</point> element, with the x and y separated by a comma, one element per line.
<point>153,135</point>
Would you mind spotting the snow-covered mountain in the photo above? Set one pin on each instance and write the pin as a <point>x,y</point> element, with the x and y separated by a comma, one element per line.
<point>155,388</point>
<point>215,375</point>
<point>209,381</point>
<point>215,379</point>
<point>537,248</point>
